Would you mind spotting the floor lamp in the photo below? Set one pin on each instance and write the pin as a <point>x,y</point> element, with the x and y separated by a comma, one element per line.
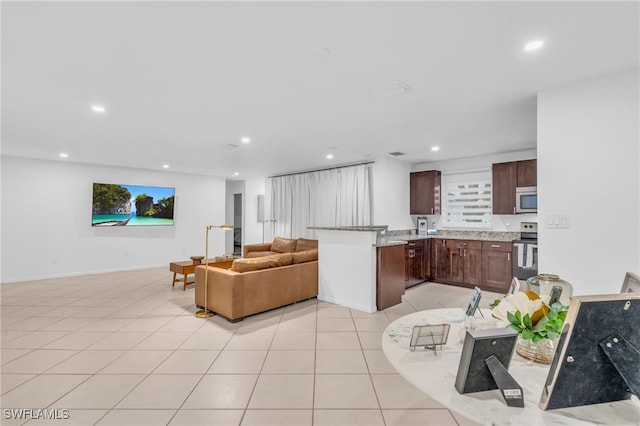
<point>206,313</point>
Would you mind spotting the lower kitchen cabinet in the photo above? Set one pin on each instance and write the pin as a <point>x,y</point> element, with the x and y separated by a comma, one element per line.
<point>439,260</point>
<point>465,262</point>
<point>390,277</point>
<point>415,264</point>
<point>496,266</point>
<point>470,263</point>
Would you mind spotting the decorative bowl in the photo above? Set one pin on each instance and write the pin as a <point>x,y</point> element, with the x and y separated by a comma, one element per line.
<point>197,259</point>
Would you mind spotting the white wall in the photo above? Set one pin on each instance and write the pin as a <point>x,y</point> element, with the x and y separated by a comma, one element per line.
<point>46,220</point>
<point>253,227</point>
<point>390,179</point>
<point>588,157</point>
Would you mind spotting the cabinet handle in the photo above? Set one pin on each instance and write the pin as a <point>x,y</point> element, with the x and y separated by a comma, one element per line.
<point>514,209</point>
<point>508,256</point>
<point>431,210</point>
<point>495,245</point>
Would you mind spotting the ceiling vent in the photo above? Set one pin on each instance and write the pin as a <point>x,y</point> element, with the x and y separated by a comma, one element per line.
<point>231,146</point>
<point>388,89</point>
<point>397,153</point>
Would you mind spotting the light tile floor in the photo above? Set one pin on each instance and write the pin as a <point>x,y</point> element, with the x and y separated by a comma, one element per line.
<point>125,348</point>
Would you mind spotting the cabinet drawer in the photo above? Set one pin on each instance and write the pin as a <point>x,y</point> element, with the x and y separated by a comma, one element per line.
<point>414,243</point>
<point>496,245</point>
<point>464,244</point>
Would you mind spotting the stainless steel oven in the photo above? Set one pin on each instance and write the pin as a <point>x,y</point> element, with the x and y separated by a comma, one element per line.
<point>527,199</point>
<point>524,255</point>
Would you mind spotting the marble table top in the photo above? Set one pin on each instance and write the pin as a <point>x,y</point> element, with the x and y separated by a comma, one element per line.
<point>435,376</point>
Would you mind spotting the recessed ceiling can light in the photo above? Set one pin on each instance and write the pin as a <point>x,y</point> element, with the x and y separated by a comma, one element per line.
<point>329,156</point>
<point>533,45</point>
<point>435,148</point>
<point>322,52</point>
<point>165,166</point>
<point>64,155</point>
<point>245,140</point>
<point>236,174</point>
<point>98,108</point>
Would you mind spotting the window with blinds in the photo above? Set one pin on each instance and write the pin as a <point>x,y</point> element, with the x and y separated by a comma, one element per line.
<point>467,205</point>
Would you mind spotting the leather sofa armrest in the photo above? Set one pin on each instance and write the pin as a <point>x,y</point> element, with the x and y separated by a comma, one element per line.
<point>255,247</point>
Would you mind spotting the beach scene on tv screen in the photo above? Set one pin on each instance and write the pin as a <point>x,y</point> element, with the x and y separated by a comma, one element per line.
<point>131,205</point>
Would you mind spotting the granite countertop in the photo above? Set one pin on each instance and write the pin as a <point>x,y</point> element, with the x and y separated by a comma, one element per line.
<point>363,228</point>
<point>400,237</point>
<point>391,239</point>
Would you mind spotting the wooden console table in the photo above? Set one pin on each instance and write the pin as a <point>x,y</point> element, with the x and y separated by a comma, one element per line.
<point>187,268</point>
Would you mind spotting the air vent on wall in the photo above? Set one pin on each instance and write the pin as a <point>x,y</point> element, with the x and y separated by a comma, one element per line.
<point>397,153</point>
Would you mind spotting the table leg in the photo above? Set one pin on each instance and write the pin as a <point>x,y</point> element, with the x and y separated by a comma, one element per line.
<point>186,278</point>
<point>174,280</point>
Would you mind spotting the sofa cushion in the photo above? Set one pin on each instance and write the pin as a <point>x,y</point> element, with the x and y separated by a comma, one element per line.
<point>305,256</point>
<point>304,244</point>
<point>283,245</point>
<point>259,254</point>
<point>264,262</point>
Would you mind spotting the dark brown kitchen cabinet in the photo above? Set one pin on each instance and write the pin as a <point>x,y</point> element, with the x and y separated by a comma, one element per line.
<point>424,192</point>
<point>389,276</point>
<point>527,173</point>
<point>439,260</point>
<point>506,178</point>
<point>465,262</point>
<point>415,264</point>
<point>496,266</point>
<point>456,262</point>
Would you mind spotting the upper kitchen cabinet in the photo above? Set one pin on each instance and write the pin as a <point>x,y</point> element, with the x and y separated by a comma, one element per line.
<point>527,173</point>
<point>506,178</point>
<point>424,192</point>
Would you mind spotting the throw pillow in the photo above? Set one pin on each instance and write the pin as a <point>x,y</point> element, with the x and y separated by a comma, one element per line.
<point>283,245</point>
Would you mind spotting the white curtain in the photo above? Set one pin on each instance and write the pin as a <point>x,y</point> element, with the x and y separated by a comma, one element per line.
<point>334,197</point>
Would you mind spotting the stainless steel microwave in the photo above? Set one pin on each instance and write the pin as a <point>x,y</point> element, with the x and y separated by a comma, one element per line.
<point>527,199</point>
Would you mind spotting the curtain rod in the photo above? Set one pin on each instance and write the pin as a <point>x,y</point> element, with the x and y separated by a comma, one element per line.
<point>322,170</point>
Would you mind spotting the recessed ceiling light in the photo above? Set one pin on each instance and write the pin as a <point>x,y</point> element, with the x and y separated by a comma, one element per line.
<point>388,89</point>
<point>236,174</point>
<point>165,166</point>
<point>533,45</point>
<point>322,52</point>
<point>435,148</point>
<point>245,140</point>
<point>64,155</point>
<point>329,156</point>
<point>98,108</point>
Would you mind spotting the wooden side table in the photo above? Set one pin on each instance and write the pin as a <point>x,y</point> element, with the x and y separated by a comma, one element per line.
<point>187,268</point>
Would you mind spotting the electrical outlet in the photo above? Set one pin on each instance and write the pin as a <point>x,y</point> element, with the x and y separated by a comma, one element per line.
<point>557,221</point>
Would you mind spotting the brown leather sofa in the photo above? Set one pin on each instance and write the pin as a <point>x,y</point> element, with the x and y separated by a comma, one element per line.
<point>268,277</point>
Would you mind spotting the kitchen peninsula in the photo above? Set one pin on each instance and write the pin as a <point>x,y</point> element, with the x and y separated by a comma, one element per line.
<point>347,265</point>
<point>349,269</point>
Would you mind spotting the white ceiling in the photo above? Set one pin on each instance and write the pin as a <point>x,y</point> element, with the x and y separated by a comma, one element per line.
<point>182,80</point>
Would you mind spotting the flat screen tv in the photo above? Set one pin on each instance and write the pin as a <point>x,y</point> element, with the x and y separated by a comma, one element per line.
<point>131,205</point>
